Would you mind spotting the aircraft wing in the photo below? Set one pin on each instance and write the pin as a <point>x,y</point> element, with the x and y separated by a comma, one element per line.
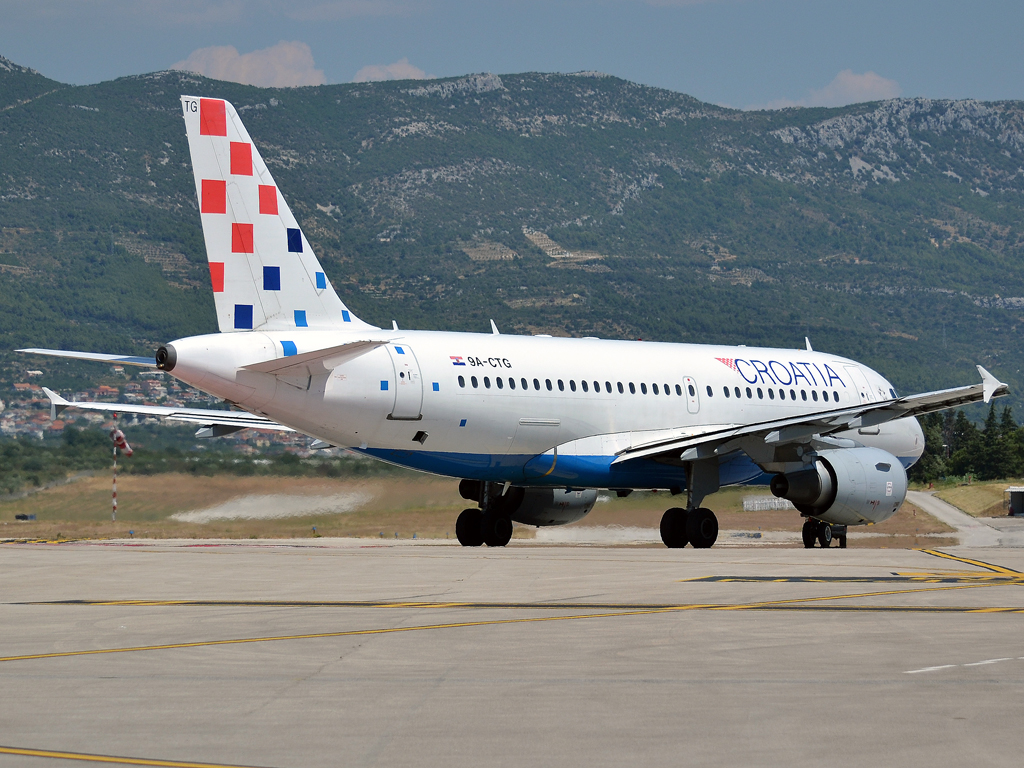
<point>802,428</point>
<point>215,423</point>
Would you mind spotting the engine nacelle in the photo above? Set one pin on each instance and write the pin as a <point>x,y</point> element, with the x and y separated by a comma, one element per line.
<point>850,486</point>
<point>553,506</point>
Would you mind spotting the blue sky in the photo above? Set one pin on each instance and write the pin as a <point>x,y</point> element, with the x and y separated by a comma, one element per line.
<point>741,53</point>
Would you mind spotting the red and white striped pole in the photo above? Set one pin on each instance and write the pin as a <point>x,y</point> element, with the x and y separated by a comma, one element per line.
<point>119,442</point>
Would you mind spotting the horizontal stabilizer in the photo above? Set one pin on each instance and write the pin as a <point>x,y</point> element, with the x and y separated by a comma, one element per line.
<point>145,362</point>
<point>203,416</point>
<point>317,361</point>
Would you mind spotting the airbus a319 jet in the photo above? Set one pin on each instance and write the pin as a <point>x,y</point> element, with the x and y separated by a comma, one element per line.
<point>533,426</point>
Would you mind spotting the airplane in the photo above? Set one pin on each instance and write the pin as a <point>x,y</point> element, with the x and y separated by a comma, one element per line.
<point>532,426</point>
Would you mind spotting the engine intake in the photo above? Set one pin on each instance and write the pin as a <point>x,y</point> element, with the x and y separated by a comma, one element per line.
<point>851,486</point>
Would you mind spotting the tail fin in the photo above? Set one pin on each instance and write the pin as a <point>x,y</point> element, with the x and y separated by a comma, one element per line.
<point>264,274</point>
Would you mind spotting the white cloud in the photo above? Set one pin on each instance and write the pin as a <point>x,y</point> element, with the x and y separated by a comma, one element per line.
<point>282,65</point>
<point>846,88</point>
<point>400,70</point>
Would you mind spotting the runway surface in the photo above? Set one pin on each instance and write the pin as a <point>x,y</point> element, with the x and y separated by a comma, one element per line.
<point>347,652</point>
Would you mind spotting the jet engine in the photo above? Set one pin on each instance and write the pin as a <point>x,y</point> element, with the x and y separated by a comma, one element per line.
<point>850,486</point>
<point>533,506</point>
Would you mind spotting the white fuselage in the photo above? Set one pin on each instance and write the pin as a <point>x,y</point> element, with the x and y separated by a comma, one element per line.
<point>499,407</point>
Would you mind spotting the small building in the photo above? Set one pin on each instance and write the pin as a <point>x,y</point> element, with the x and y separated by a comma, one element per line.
<point>1013,500</point>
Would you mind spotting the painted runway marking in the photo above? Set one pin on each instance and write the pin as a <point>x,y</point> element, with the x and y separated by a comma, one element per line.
<point>969,664</point>
<point>977,563</point>
<point>115,759</point>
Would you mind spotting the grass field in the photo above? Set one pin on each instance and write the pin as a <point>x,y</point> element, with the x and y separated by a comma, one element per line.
<point>185,506</point>
<point>979,499</point>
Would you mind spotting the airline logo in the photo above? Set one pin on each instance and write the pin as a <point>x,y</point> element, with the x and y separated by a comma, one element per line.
<point>779,373</point>
<point>457,360</point>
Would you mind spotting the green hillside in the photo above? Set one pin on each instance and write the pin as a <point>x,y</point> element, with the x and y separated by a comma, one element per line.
<point>578,204</point>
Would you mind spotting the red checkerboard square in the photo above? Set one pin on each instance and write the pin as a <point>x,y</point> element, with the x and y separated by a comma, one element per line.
<point>268,199</point>
<point>217,276</point>
<point>214,196</point>
<point>212,118</point>
<point>241,238</point>
<point>241,158</point>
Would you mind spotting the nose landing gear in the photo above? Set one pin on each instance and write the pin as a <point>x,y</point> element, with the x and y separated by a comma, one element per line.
<point>822,533</point>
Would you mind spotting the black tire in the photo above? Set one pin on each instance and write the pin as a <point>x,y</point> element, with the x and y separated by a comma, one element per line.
<point>469,528</point>
<point>673,528</point>
<point>497,530</point>
<point>809,533</point>
<point>842,541</point>
<point>701,528</point>
<point>825,535</point>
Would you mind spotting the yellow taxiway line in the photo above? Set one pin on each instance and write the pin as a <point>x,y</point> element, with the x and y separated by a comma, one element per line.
<point>115,759</point>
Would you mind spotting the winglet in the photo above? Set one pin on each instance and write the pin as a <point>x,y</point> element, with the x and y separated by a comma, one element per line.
<point>807,341</point>
<point>57,403</point>
<point>991,384</point>
<point>494,329</point>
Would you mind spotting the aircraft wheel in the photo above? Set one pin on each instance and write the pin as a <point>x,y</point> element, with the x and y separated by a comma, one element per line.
<point>809,532</point>
<point>497,530</point>
<point>673,528</point>
<point>842,541</point>
<point>825,535</point>
<point>469,528</point>
<point>701,528</point>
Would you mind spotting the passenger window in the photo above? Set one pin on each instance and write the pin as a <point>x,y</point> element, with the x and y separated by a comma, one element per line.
<point>525,384</point>
<point>473,381</point>
<point>561,386</point>
<point>814,395</point>
<point>760,394</point>
<point>835,396</point>
<point>750,395</point>
<point>547,383</point>
<point>792,394</point>
<point>710,393</point>
<point>803,394</point>
<point>771,393</point>
<point>597,387</point>
<point>724,389</point>
<point>620,388</point>
<point>511,383</point>
<point>679,390</point>
<point>584,385</point>
<point>643,388</point>
<point>737,391</point>
<point>782,394</point>
<point>572,385</point>
<point>499,382</point>
<point>632,388</point>
<point>487,382</point>
<point>654,389</point>
<point>462,382</point>
<point>536,385</point>
<point>608,387</point>
<point>691,390</point>
<point>667,390</point>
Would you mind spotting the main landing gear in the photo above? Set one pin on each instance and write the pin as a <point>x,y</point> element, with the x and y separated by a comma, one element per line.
<point>697,527</point>
<point>492,523</point>
<point>822,533</point>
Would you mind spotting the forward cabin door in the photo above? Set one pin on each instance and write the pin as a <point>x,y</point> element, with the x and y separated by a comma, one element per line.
<point>860,383</point>
<point>692,396</point>
<point>408,384</point>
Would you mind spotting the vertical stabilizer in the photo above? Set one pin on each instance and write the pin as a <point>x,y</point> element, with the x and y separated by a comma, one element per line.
<point>264,274</point>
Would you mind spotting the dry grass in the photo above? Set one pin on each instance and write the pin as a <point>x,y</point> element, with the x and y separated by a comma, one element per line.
<point>423,505</point>
<point>979,499</point>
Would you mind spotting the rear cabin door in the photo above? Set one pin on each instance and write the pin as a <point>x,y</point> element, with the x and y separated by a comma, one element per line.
<point>408,384</point>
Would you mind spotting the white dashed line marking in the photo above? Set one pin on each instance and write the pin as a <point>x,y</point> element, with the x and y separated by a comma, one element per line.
<point>987,661</point>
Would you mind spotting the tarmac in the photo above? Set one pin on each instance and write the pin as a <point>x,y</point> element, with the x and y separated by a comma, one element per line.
<point>325,652</point>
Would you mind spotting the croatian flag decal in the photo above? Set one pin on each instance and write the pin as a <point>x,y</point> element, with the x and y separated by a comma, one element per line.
<point>456,359</point>
<point>728,362</point>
